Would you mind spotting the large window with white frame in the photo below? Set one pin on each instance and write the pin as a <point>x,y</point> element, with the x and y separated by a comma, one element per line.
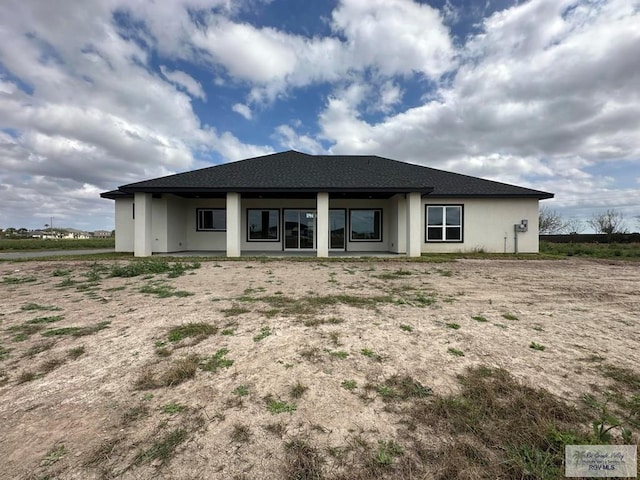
<point>211,219</point>
<point>365,225</point>
<point>263,225</point>
<point>444,223</point>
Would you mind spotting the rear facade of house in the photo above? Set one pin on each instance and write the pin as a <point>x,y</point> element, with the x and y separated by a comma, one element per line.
<point>324,205</point>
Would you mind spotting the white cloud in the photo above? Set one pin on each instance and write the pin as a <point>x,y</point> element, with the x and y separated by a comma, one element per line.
<point>545,93</point>
<point>243,110</point>
<point>185,81</point>
<point>394,36</point>
<point>532,91</point>
<point>83,106</point>
<point>290,140</point>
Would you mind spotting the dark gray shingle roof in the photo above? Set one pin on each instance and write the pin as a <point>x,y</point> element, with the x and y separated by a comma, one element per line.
<point>298,172</point>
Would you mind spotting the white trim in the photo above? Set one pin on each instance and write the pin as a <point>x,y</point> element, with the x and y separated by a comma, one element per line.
<point>233,224</point>
<point>322,224</point>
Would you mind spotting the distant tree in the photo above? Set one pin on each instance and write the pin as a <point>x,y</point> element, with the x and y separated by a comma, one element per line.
<point>608,222</point>
<point>10,232</point>
<point>22,231</point>
<point>550,221</point>
<point>573,225</point>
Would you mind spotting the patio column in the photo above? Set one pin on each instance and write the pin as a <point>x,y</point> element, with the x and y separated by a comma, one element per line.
<point>142,225</point>
<point>322,224</point>
<point>414,224</point>
<point>233,224</point>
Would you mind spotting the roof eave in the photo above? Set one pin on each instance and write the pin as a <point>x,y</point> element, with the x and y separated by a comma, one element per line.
<point>193,190</point>
<point>538,195</point>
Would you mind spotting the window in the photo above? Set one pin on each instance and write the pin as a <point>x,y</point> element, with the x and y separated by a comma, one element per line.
<point>262,225</point>
<point>444,223</point>
<point>211,219</point>
<point>366,225</point>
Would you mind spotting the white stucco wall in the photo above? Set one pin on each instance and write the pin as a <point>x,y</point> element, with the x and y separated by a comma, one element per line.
<point>124,224</point>
<point>488,225</point>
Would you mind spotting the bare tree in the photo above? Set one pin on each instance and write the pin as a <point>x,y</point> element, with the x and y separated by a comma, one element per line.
<point>608,222</point>
<point>550,221</point>
<point>573,225</point>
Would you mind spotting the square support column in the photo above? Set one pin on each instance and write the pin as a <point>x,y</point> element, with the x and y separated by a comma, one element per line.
<point>234,233</point>
<point>414,224</point>
<point>322,224</point>
<point>142,242</point>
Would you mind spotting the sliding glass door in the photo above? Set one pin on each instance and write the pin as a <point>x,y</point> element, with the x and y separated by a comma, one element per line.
<point>299,229</point>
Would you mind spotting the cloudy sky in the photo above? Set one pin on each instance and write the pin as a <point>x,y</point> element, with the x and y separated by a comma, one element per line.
<point>93,95</point>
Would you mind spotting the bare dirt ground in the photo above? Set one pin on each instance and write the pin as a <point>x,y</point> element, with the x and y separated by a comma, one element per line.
<point>72,404</point>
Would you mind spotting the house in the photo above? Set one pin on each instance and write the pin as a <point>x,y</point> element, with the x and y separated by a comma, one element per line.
<point>295,202</point>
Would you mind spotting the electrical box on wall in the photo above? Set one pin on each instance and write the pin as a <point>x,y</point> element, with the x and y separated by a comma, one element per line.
<point>523,226</point>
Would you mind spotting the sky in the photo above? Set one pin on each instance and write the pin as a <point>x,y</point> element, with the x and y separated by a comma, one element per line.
<point>94,95</point>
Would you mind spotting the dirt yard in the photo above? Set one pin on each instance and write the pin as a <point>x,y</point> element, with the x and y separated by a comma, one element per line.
<point>291,351</point>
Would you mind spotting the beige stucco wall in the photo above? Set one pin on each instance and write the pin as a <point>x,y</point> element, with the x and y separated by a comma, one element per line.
<point>202,240</point>
<point>488,225</point>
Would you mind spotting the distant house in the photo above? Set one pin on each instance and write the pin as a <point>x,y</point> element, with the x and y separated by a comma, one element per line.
<point>101,234</point>
<point>294,202</point>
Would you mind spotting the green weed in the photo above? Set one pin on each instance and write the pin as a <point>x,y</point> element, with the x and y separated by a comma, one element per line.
<point>77,331</point>
<point>152,267</point>
<point>18,280</point>
<point>367,352</point>
<point>39,348</point>
<point>455,352</point>
<point>35,306</point>
<point>241,391</point>
<point>76,352</point>
<point>173,408</point>
<point>216,361</point>
<point>388,451</point>
<point>51,319</point>
<point>537,346</point>
<point>55,454</point>
<point>192,329</point>
<point>349,385</point>
<point>234,311</point>
<point>277,406</point>
<point>4,352</point>
<point>163,449</point>
<point>264,333</point>
<point>164,291</point>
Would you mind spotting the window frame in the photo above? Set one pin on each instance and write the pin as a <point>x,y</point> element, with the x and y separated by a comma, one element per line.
<point>199,228</point>
<point>444,225</point>
<point>277,225</point>
<point>350,226</point>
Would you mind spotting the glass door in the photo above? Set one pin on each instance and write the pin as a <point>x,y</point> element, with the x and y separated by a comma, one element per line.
<point>299,229</point>
<point>337,229</point>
